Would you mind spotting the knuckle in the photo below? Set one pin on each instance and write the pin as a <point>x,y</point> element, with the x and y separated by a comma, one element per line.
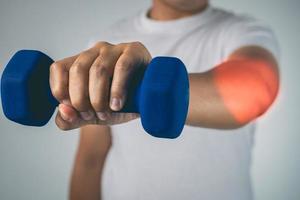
<point>87,53</point>
<point>104,51</point>
<point>99,70</point>
<point>102,44</point>
<point>77,68</point>
<point>124,65</point>
<point>135,45</point>
<point>56,66</point>
<point>58,92</point>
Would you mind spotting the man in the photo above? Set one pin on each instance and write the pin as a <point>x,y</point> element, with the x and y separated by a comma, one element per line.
<point>233,80</point>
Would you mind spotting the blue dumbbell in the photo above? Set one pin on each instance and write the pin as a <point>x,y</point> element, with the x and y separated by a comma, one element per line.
<point>160,93</point>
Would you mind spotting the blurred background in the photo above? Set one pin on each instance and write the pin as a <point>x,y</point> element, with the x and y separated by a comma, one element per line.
<point>35,163</point>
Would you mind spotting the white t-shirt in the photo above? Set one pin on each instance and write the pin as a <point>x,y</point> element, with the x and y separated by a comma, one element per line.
<point>202,163</point>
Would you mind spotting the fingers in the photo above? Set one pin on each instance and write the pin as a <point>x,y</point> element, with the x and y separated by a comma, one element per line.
<point>68,118</point>
<point>59,78</point>
<point>124,68</point>
<point>118,118</point>
<point>134,56</point>
<point>78,83</point>
<point>100,80</point>
<point>95,82</point>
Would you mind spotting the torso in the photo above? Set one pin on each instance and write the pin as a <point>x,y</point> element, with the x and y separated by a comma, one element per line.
<point>202,163</point>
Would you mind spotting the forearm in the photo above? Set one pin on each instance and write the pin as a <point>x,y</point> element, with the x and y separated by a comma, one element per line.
<point>85,182</point>
<point>232,94</point>
<point>94,144</point>
<point>206,108</point>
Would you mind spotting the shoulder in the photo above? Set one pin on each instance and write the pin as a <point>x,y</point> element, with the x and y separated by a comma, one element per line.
<point>228,24</point>
<point>237,30</point>
<point>228,19</point>
<point>240,30</point>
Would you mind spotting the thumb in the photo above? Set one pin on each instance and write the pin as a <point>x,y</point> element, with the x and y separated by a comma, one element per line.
<point>67,117</point>
<point>67,112</point>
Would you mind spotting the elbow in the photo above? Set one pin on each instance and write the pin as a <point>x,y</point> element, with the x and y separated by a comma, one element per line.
<point>257,103</point>
<point>247,88</point>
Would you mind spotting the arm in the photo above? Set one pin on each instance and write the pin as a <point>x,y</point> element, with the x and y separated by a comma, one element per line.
<point>94,145</point>
<point>235,92</point>
<point>229,96</point>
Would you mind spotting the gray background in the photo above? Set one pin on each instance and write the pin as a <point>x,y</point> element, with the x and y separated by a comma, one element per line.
<point>35,163</point>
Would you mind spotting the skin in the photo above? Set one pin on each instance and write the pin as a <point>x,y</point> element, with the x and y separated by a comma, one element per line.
<point>95,142</point>
<point>92,84</point>
<point>235,92</point>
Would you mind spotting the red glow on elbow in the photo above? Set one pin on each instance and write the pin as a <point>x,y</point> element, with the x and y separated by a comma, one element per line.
<point>247,87</point>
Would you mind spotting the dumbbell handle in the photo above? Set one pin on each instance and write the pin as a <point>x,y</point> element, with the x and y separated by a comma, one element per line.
<point>131,103</point>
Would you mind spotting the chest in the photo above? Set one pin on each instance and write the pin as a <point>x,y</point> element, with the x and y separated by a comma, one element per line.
<point>200,50</point>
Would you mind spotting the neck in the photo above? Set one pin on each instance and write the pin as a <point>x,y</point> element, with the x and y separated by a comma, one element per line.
<point>162,11</point>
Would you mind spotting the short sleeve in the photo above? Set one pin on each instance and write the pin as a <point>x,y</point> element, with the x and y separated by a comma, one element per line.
<point>246,31</point>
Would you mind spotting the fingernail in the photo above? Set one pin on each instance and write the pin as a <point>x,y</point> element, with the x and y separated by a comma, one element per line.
<point>86,115</point>
<point>66,102</point>
<point>65,117</point>
<point>115,104</point>
<point>102,116</point>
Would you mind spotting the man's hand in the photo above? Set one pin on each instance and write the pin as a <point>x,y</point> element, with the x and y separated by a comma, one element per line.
<point>92,84</point>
